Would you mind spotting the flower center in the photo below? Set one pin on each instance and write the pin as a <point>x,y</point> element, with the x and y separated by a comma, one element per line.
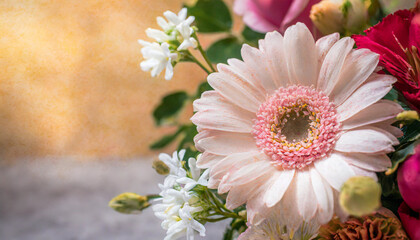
<point>296,126</point>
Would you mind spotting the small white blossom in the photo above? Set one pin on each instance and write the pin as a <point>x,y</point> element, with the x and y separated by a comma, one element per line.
<point>157,58</point>
<point>185,32</point>
<point>174,19</point>
<point>197,177</point>
<point>186,225</point>
<point>174,163</point>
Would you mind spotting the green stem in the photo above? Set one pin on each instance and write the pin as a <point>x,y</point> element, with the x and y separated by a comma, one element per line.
<point>153,196</point>
<point>203,53</point>
<point>213,219</point>
<point>192,58</point>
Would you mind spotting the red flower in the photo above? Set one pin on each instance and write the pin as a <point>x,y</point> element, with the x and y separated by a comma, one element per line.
<point>410,220</point>
<point>397,40</point>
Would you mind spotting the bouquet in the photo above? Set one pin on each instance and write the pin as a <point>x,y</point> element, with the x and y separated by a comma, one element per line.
<point>306,127</point>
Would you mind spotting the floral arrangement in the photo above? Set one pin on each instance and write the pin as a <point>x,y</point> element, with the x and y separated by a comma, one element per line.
<point>306,128</point>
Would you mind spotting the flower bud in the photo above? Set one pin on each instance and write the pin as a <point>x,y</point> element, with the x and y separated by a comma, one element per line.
<point>409,180</point>
<point>360,196</point>
<point>160,167</point>
<point>129,203</point>
<point>341,16</point>
<point>408,116</point>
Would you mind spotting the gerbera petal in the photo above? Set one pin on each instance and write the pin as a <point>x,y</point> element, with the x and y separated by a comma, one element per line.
<point>358,66</point>
<point>208,159</point>
<point>246,173</point>
<point>225,143</point>
<point>376,87</point>
<point>288,207</point>
<point>305,195</point>
<point>301,55</point>
<point>366,140</point>
<point>218,114</point>
<point>323,45</point>
<point>326,168</point>
<point>235,90</point>
<point>386,125</point>
<point>272,47</point>
<point>362,172</point>
<point>280,182</point>
<point>324,196</point>
<point>239,194</point>
<point>377,112</point>
<point>257,63</point>
<point>371,162</point>
<point>333,63</point>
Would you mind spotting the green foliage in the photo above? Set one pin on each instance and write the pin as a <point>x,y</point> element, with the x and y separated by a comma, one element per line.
<point>397,97</point>
<point>166,140</point>
<point>211,16</point>
<point>251,37</point>
<point>222,50</point>
<point>170,106</point>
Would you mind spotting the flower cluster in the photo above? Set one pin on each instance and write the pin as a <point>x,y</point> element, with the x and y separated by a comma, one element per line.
<point>177,203</point>
<point>175,36</point>
<point>297,130</point>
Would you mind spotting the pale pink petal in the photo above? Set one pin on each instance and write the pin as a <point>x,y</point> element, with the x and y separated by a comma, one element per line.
<point>376,87</point>
<point>280,182</point>
<point>257,64</point>
<point>324,196</point>
<point>366,140</point>
<point>245,173</point>
<point>305,195</point>
<point>238,195</point>
<point>323,46</point>
<point>272,47</point>
<point>301,55</point>
<point>371,162</point>
<point>337,208</point>
<point>225,143</point>
<point>377,112</point>
<point>362,172</point>
<point>237,91</point>
<point>334,170</point>
<point>241,70</point>
<point>358,66</point>
<point>333,63</point>
<point>224,120</point>
<point>207,160</point>
<point>288,206</point>
<point>386,125</point>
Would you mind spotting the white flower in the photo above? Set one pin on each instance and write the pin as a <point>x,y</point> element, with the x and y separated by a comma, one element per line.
<point>186,225</point>
<point>185,32</point>
<point>172,201</point>
<point>174,163</point>
<point>202,179</point>
<point>157,58</point>
<point>174,20</point>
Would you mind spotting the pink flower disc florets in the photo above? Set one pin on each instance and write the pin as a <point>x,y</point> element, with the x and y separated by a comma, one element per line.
<point>296,126</point>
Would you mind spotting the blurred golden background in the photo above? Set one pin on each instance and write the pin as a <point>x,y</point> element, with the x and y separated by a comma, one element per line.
<point>70,81</point>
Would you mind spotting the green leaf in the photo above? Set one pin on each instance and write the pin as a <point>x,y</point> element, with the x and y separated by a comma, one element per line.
<point>166,140</point>
<point>170,106</point>
<point>222,50</point>
<point>411,132</point>
<point>251,36</point>
<point>211,16</point>
<point>189,134</point>
<point>399,156</point>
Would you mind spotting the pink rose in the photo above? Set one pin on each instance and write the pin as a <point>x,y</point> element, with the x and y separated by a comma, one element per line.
<point>409,180</point>
<point>268,15</point>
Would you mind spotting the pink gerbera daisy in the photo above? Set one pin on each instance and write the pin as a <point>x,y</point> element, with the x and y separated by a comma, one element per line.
<point>288,125</point>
